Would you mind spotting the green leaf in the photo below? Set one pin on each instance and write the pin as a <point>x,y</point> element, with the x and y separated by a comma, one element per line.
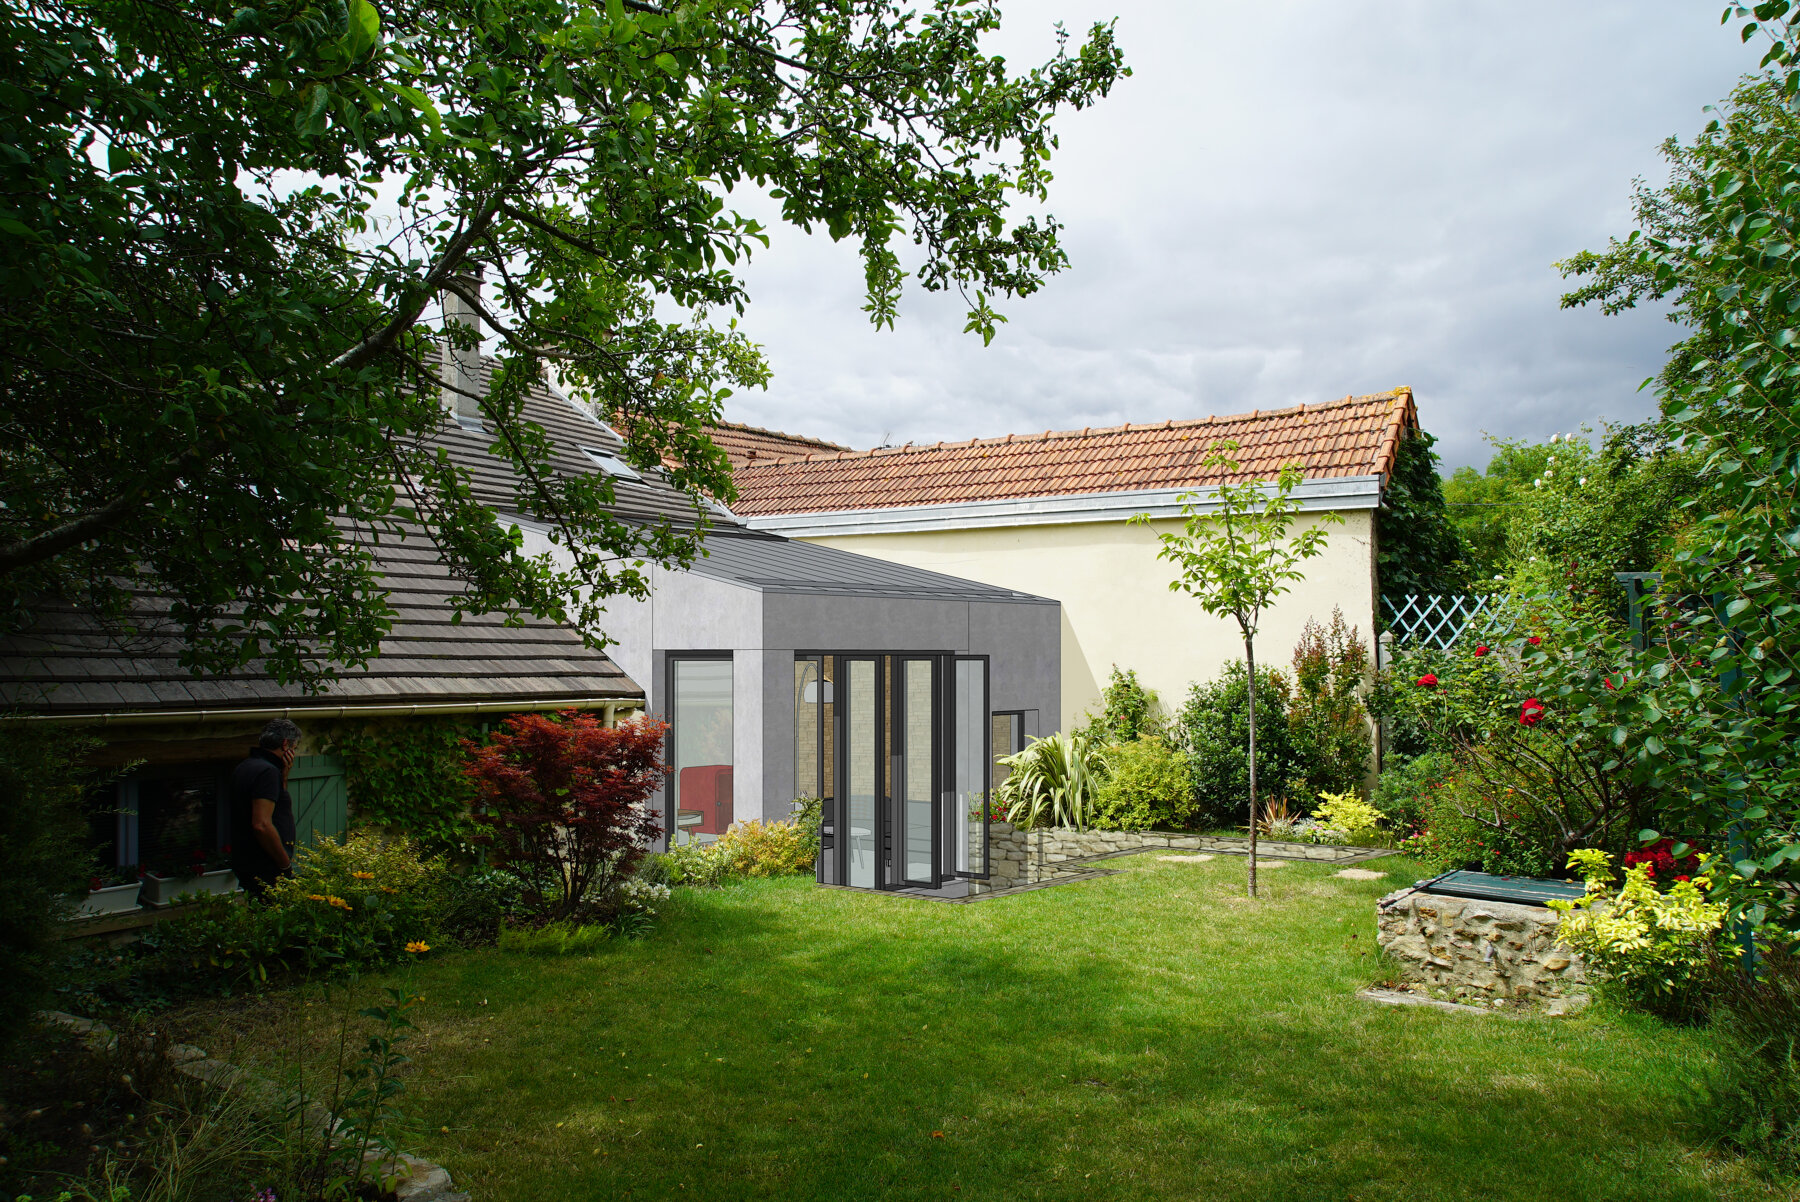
<point>422,103</point>
<point>669,65</point>
<point>365,29</point>
<point>1648,836</point>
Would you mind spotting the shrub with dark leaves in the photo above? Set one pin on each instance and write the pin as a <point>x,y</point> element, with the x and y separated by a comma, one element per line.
<point>562,803</point>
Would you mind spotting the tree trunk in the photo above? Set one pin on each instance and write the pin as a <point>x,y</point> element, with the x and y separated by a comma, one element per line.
<point>1250,662</point>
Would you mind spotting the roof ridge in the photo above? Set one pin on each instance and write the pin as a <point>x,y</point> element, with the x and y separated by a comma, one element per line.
<point>1391,396</point>
<point>746,428</point>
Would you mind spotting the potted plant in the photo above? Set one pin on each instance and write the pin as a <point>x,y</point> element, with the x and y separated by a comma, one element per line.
<point>110,891</point>
<point>200,872</point>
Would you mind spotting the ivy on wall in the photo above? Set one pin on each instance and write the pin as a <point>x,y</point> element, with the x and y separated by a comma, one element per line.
<point>405,775</point>
<point>1420,550</point>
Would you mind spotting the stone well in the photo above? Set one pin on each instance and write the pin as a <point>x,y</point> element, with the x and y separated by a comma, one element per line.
<point>1458,947</point>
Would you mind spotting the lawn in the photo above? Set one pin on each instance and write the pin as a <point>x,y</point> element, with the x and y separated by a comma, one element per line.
<point>1150,1035</point>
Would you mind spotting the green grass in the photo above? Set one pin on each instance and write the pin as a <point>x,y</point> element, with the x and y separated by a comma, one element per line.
<point>1151,1035</point>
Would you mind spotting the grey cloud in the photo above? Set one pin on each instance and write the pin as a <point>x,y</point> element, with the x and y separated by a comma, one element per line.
<point>1286,206</point>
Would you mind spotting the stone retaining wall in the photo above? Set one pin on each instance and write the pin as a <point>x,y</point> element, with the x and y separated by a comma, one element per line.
<point>1013,853</point>
<point>1462,948</point>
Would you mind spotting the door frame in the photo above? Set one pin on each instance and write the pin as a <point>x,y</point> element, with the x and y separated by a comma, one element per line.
<point>888,731</point>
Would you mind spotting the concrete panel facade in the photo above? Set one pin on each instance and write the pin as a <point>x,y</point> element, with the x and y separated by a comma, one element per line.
<point>762,630</point>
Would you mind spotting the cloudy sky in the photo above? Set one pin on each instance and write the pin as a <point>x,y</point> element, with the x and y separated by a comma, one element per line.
<point>1291,203</point>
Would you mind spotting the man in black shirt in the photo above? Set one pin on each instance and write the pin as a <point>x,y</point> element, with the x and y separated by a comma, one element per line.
<point>262,813</point>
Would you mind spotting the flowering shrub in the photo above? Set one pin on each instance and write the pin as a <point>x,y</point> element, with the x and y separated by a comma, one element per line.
<point>1328,723</point>
<point>357,905</point>
<point>1542,731</point>
<point>695,863</point>
<point>1656,950</point>
<point>1345,818</point>
<point>1663,865</point>
<point>560,802</point>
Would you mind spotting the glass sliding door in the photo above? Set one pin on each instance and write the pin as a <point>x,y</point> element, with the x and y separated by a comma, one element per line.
<point>916,758</point>
<point>896,746</point>
<point>700,736</point>
<point>861,832</point>
<point>967,806</point>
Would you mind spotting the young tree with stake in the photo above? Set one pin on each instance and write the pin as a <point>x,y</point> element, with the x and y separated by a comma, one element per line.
<point>1235,557</point>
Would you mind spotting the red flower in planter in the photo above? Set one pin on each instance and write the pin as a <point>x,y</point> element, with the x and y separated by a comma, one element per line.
<point>1533,641</point>
<point>1481,651</point>
<point>1428,681</point>
<point>95,884</point>
<point>1531,712</point>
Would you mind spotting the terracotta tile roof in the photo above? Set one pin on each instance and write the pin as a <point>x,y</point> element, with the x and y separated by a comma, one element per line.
<point>1356,436</point>
<point>751,444</point>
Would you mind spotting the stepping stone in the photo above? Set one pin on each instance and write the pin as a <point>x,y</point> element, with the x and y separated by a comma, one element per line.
<point>1359,874</point>
<point>1262,864</point>
<point>1187,859</point>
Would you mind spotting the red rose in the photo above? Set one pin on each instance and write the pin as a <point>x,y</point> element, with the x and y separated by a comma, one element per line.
<point>1533,641</point>
<point>1428,681</point>
<point>95,884</point>
<point>1481,651</point>
<point>1531,712</point>
<point>1607,681</point>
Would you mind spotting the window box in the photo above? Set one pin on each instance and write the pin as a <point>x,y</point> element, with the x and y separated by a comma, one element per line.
<point>113,899</point>
<point>162,890</point>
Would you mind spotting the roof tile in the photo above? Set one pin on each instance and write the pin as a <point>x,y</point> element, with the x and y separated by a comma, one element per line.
<point>1355,436</point>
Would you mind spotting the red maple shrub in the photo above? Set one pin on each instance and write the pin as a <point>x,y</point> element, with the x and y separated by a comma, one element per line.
<point>560,802</point>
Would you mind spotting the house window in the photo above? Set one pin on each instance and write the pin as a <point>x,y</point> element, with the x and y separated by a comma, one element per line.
<point>611,464</point>
<point>700,739</point>
<point>1008,738</point>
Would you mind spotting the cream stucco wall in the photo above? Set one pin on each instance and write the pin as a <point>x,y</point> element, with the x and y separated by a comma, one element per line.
<point>1116,603</point>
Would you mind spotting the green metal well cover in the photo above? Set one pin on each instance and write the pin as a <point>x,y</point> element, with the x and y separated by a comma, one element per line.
<point>1521,890</point>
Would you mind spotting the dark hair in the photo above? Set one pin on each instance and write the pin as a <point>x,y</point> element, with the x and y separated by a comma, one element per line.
<point>277,732</point>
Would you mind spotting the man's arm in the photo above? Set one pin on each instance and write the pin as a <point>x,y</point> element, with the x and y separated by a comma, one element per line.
<point>262,825</point>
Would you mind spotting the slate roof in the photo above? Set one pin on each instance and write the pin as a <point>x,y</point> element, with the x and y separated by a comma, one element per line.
<point>569,428</point>
<point>1355,436</point>
<point>752,444</point>
<point>781,565</point>
<point>67,665</point>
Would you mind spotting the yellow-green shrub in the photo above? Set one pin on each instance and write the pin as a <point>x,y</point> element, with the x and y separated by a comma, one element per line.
<point>1346,818</point>
<point>768,849</point>
<point>1147,784</point>
<point>1655,950</point>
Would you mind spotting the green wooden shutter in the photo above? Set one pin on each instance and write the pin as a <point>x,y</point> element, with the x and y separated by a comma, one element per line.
<point>321,807</point>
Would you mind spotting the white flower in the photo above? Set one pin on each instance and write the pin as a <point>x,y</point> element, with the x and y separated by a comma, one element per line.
<point>1537,484</point>
<point>1582,481</point>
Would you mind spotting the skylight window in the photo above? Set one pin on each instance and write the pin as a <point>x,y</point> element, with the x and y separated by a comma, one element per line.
<point>611,464</point>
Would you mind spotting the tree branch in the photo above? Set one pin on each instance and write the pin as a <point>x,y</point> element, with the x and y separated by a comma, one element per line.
<point>51,543</point>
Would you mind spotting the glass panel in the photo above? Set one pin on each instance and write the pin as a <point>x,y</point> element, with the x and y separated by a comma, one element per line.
<point>828,733</point>
<point>808,699</point>
<point>919,751</point>
<point>178,824</point>
<point>971,784</point>
<point>701,784</point>
<point>859,735</point>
